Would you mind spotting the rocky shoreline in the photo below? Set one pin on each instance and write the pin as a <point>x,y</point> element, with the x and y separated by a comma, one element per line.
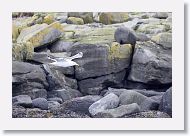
<point>125,71</point>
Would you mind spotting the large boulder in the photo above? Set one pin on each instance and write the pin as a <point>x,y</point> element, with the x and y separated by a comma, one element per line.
<point>75,20</point>
<point>124,35</point>
<point>22,100</point>
<point>26,77</point>
<point>108,102</point>
<point>40,103</point>
<point>166,102</point>
<point>86,16</point>
<point>112,18</point>
<point>64,94</point>
<point>151,64</point>
<point>119,111</point>
<point>110,59</point>
<point>160,15</point>
<point>80,104</point>
<point>96,85</point>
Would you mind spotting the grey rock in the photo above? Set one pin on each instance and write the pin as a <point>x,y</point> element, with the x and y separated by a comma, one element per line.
<point>61,46</point>
<point>148,114</point>
<point>56,99</point>
<point>37,93</point>
<point>27,77</point>
<point>108,102</point>
<point>108,60</point>
<point>86,16</point>
<point>166,102</point>
<point>149,93</point>
<point>64,94</point>
<point>80,104</point>
<point>157,98</point>
<point>160,15</point>
<point>151,64</point>
<point>149,104</point>
<point>41,103</point>
<point>119,111</point>
<point>123,35</point>
<point>116,91</point>
<point>53,105</point>
<point>22,100</point>
<point>141,37</point>
<point>152,28</point>
<point>95,85</point>
<point>18,111</point>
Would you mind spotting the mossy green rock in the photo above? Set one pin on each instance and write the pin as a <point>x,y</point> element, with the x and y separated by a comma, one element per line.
<point>40,34</point>
<point>112,18</point>
<point>75,20</point>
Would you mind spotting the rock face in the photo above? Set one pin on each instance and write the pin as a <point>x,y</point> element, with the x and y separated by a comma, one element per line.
<point>96,85</point>
<point>123,35</point>
<point>108,102</point>
<point>80,104</point>
<point>111,59</point>
<point>41,103</point>
<point>166,102</point>
<point>119,111</point>
<point>151,64</point>
<point>27,78</point>
<point>22,100</point>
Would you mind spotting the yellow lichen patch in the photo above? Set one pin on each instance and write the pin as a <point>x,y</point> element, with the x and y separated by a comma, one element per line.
<point>49,19</point>
<point>118,51</point>
<point>22,51</point>
<point>75,20</point>
<point>15,32</point>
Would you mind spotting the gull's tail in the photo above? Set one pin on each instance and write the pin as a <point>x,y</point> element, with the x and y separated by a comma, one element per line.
<point>79,55</point>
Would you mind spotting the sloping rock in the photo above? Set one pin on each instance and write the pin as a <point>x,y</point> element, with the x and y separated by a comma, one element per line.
<point>108,102</point>
<point>151,64</point>
<point>26,78</point>
<point>166,102</point>
<point>22,100</point>
<point>119,111</point>
<point>96,85</point>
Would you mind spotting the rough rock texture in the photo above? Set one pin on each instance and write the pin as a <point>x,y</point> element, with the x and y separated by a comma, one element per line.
<point>56,99</point>
<point>108,102</point>
<point>26,78</point>
<point>119,111</point>
<point>22,100</point>
<point>166,102</point>
<point>64,94</point>
<point>53,105</point>
<point>80,104</point>
<point>86,16</point>
<point>124,35</point>
<point>151,64</point>
<point>61,46</point>
<point>110,59</point>
<point>75,20</point>
<point>160,15</point>
<point>41,103</point>
<point>96,85</point>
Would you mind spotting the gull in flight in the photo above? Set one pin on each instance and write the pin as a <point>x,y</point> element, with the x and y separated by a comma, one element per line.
<point>65,62</point>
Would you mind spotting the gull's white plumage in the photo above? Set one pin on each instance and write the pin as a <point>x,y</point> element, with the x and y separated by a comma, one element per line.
<point>66,62</point>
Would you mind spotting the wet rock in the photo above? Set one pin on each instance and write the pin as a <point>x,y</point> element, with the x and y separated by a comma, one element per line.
<point>96,85</point>
<point>124,35</point>
<point>119,111</point>
<point>108,102</point>
<point>151,64</point>
<point>22,100</point>
<point>40,103</point>
<point>166,102</point>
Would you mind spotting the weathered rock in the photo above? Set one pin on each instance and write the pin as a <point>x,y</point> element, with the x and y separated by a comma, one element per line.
<point>111,17</point>
<point>80,104</point>
<point>49,19</point>
<point>57,79</point>
<point>86,16</point>
<point>41,103</point>
<point>141,37</point>
<point>22,100</point>
<point>61,46</point>
<point>56,99</point>
<point>149,93</point>
<point>149,104</point>
<point>108,102</point>
<point>37,93</point>
<point>116,91</point>
<point>110,59</point>
<point>151,64</point>
<point>160,15</point>
<point>119,111</point>
<point>166,102</point>
<point>18,111</point>
<point>157,98</point>
<point>96,85</point>
<point>40,34</point>
<point>148,114</point>
<point>27,77</point>
<point>64,94</point>
<point>164,39</point>
<point>124,35</point>
<point>75,20</point>
<point>53,105</point>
